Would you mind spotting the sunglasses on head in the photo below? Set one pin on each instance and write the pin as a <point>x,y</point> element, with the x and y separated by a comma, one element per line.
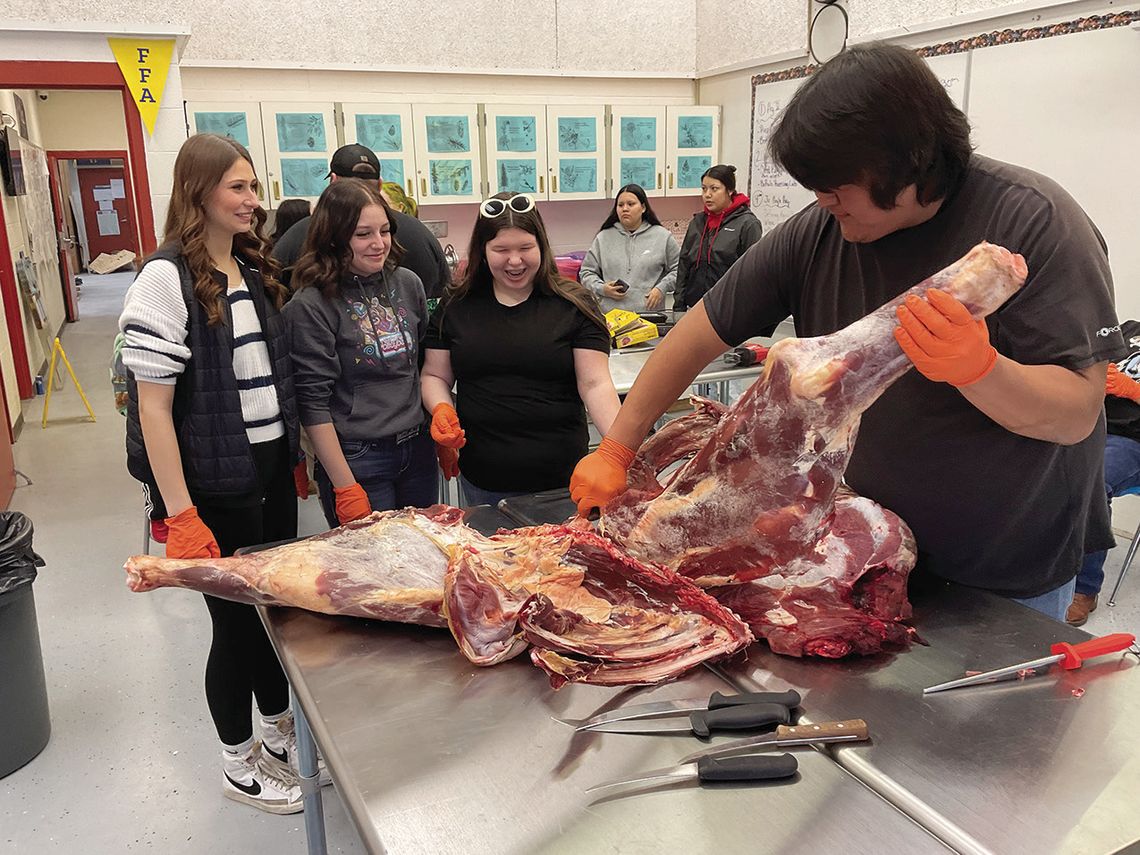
<point>520,203</point>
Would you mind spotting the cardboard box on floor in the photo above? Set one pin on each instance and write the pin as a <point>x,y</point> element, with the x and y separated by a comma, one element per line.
<point>109,263</point>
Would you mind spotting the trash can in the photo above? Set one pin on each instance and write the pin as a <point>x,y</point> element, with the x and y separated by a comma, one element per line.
<point>24,722</point>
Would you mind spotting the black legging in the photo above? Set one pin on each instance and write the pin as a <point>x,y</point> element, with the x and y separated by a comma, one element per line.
<point>242,663</point>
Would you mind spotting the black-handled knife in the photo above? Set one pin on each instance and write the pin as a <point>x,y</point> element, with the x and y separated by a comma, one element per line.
<point>748,767</point>
<point>664,709</point>
<point>703,722</point>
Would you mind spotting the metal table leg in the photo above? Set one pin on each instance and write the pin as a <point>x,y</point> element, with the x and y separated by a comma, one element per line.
<point>310,785</point>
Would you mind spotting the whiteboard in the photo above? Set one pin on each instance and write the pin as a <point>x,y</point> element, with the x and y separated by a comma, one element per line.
<point>773,193</point>
<point>1069,107</point>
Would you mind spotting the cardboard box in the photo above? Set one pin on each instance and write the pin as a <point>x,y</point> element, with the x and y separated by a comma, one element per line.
<point>105,263</point>
<point>645,332</point>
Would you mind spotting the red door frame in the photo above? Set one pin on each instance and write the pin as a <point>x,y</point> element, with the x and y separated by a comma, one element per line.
<point>18,74</point>
<point>53,158</point>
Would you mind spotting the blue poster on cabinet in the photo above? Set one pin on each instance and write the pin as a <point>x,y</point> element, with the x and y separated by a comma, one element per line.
<point>639,170</point>
<point>380,132</point>
<point>638,133</point>
<point>450,177</point>
<point>447,133</point>
<point>690,169</point>
<point>232,125</point>
<point>301,132</point>
<point>578,175</point>
<point>517,176</point>
<point>515,133</point>
<point>392,169</point>
<point>694,132</point>
<point>303,176</point>
<point>577,133</point>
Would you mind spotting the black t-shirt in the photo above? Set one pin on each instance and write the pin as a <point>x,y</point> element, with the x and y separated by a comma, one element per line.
<point>988,507</point>
<point>517,393</point>
<point>1123,414</point>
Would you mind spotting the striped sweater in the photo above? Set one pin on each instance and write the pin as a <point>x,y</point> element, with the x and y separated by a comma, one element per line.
<point>154,325</point>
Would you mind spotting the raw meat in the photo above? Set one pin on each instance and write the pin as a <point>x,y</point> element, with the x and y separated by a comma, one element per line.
<point>758,498</point>
<point>588,612</point>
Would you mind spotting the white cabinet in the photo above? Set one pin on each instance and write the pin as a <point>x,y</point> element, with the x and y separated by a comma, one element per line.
<point>576,148</point>
<point>692,146</point>
<point>387,130</point>
<point>300,137</point>
<point>448,160</point>
<point>516,148</point>
<point>238,121</point>
<point>637,145</point>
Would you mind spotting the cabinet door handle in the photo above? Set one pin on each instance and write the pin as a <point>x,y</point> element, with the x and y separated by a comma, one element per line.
<point>540,184</point>
<point>423,187</point>
<point>658,180</point>
<point>670,180</point>
<point>553,183</point>
<point>276,188</point>
<point>411,188</point>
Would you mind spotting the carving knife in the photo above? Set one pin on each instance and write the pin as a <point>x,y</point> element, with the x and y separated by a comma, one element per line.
<point>749,767</point>
<point>703,722</point>
<point>661,709</point>
<point>1069,656</point>
<point>785,736</point>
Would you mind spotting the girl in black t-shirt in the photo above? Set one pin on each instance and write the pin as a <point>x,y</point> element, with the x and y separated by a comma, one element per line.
<point>525,349</point>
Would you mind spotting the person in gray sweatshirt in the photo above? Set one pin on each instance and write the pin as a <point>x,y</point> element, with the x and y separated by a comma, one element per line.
<point>633,249</point>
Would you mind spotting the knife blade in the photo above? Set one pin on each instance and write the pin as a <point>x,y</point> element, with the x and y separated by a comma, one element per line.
<point>703,722</point>
<point>715,701</point>
<point>785,736</point>
<point>749,767</point>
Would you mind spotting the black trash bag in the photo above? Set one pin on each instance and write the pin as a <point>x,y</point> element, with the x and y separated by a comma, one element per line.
<point>18,561</point>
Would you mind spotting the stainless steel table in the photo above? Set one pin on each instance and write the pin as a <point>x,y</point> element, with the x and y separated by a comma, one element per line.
<point>626,364</point>
<point>1023,767</point>
<point>431,754</point>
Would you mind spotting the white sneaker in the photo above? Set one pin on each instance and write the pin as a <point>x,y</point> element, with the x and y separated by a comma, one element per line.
<point>279,742</point>
<point>250,779</point>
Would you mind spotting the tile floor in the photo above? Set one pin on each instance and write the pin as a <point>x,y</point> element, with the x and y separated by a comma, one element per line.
<point>133,764</point>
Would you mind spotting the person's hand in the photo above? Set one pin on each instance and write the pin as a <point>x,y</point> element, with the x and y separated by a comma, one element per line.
<point>448,461</point>
<point>351,503</point>
<point>942,339</point>
<point>445,427</point>
<point>654,299</point>
<point>301,479</point>
<point>600,475</point>
<point>189,537</point>
<point>1120,385</point>
<point>611,290</point>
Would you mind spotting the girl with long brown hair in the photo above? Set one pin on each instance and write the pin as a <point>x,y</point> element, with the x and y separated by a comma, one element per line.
<point>355,327</point>
<point>527,349</point>
<point>212,422</point>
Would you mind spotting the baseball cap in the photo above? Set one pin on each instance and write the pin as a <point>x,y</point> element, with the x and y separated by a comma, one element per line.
<point>354,161</point>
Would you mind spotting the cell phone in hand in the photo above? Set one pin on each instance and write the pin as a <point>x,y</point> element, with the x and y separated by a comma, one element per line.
<point>621,285</point>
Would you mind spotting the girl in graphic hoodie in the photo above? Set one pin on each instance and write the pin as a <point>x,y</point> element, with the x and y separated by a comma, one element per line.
<point>716,238</point>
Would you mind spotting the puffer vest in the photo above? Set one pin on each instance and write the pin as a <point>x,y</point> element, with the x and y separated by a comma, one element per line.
<point>216,456</point>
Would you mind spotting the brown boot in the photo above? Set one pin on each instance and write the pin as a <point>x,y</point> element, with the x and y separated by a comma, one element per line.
<point>1080,608</point>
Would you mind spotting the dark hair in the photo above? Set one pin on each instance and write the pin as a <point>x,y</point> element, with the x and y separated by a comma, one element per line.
<point>288,213</point>
<point>723,173</point>
<point>202,163</point>
<point>547,280</point>
<point>637,190</point>
<point>874,115</point>
<point>327,253</point>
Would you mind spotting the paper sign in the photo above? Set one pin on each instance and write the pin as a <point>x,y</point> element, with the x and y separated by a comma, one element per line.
<point>108,222</point>
<point>639,170</point>
<point>106,205</point>
<point>301,132</point>
<point>450,177</point>
<point>381,132</point>
<point>102,194</point>
<point>118,190</point>
<point>145,64</point>
<point>690,169</point>
<point>694,132</point>
<point>515,133</point>
<point>391,169</point>
<point>447,133</point>
<point>517,176</point>
<point>578,175</point>
<point>303,177</point>
<point>232,125</point>
<point>638,133</point>
<point>577,134</point>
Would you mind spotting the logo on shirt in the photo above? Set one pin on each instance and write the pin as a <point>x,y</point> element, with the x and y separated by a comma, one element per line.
<point>382,335</point>
<point>1105,332</point>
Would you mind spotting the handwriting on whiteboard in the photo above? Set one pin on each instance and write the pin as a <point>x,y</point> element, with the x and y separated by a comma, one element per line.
<point>773,193</point>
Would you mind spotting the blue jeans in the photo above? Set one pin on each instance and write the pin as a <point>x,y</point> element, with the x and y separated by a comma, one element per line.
<point>393,474</point>
<point>470,495</point>
<point>1052,603</point>
<point>1121,473</point>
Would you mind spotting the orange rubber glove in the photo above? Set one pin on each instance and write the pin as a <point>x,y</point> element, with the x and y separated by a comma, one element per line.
<point>600,475</point>
<point>301,479</point>
<point>1120,385</point>
<point>943,340</point>
<point>189,537</point>
<point>351,503</point>
<point>448,461</point>
<point>445,427</point>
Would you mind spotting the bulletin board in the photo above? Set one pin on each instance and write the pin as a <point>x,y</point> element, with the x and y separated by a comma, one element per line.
<point>1060,99</point>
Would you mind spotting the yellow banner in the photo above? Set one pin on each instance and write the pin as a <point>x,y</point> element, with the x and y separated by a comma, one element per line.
<point>145,64</point>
